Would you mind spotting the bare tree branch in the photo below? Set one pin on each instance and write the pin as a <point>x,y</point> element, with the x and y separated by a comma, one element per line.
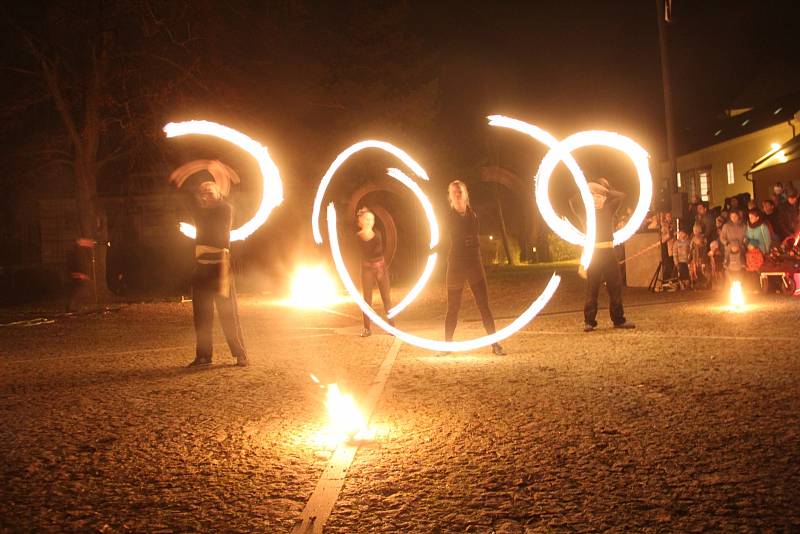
<point>50,73</point>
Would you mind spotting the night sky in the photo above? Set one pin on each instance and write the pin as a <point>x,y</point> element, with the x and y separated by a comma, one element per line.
<point>565,66</point>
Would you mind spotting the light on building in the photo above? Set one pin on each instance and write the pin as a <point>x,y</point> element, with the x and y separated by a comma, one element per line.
<point>704,186</point>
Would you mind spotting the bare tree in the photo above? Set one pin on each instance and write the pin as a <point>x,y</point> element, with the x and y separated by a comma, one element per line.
<point>107,68</point>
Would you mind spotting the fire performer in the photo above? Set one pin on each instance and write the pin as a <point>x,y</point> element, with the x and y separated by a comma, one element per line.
<point>212,282</point>
<point>464,263</point>
<point>373,264</point>
<point>80,259</point>
<point>604,266</point>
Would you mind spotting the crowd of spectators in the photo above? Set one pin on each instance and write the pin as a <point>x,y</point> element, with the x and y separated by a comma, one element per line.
<point>735,241</point>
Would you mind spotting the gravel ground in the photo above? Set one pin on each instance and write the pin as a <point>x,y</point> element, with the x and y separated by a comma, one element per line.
<point>691,422</point>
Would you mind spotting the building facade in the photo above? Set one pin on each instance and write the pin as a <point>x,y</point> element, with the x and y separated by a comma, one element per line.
<point>717,162</point>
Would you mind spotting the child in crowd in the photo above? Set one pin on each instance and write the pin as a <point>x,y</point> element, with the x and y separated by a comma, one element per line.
<point>719,222</point>
<point>698,258</point>
<point>681,256</point>
<point>734,261</point>
<point>715,263</point>
<point>753,260</point>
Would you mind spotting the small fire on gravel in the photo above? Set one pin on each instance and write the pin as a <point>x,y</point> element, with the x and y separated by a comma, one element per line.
<point>313,287</point>
<point>737,302</point>
<point>346,421</point>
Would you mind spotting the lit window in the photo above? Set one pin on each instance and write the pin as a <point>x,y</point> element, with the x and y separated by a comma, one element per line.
<point>679,180</point>
<point>704,186</point>
<point>731,176</point>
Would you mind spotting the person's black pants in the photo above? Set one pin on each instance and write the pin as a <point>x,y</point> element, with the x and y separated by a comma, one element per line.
<point>604,268</point>
<point>203,301</point>
<point>459,273</point>
<point>78,294</point>
<point>667,264</point>
<point>372,274</point>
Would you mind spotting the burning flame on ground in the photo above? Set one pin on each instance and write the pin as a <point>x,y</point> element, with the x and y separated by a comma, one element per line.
<point>346,421</point>
<point>313,287</point>
<point>737,302</point>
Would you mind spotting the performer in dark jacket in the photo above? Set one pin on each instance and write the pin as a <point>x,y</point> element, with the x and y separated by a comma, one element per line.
<point>212,282</point>
<point>604,266</point>
<point>374,270</point>
<point>80,259</point>
<point>464,264</point>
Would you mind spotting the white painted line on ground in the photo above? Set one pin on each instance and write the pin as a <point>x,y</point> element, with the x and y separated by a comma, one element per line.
<point>320,505</point>
<point>639,333</point>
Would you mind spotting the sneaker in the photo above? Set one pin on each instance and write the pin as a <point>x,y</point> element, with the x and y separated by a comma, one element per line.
<point>200,361</point>
<point>589,327</point>
<point>626,325</point>
<point>242,361</point>
<point>498,350</point>
<point>365,333</point>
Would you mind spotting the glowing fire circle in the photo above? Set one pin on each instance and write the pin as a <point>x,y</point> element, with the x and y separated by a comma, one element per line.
<point>350,286</point>
<point>404,179</point>
<point>271,189</point>
<point>560,151</point>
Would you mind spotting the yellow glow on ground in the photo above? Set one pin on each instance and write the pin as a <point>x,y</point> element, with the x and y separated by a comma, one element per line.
<point>313,287</point>
<point>737,302</point>
<point>346,421</point>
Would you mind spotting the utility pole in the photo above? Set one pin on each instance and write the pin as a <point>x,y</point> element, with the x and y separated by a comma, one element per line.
<point>664,8</point>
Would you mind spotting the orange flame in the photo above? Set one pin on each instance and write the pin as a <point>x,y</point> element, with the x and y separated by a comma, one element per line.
<point>737,296</point>
<point>346,421</point>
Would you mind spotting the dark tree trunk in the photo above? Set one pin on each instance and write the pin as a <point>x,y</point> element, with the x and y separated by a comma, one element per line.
<point>509,257</point>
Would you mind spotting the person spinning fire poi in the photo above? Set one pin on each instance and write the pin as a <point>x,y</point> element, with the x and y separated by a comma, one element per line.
<point>212,283</point>
<point>79,266</point>
<point>374,270</point>
<point>604,266</point>
<point>464,263</point>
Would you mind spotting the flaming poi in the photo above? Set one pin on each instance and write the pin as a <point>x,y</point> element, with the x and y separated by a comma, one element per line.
<point>271,189</point>
<point>560,151</point>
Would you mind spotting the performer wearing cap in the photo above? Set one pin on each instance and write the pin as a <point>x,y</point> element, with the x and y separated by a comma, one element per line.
<point>604,266</point>
<point>212,282</point>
